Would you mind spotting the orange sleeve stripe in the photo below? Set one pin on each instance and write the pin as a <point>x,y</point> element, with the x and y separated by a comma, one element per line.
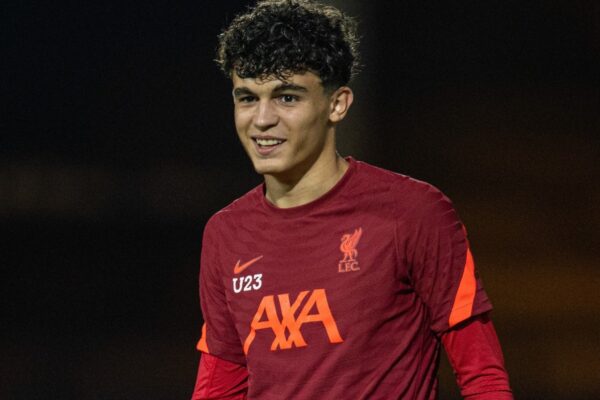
<point>202,346</point>
<point>463,302</point>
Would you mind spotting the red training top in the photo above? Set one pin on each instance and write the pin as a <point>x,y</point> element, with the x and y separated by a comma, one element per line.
<point>472,347</point>
<point>343,297</point>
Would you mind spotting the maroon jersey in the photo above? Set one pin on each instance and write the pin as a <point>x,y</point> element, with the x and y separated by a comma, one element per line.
<point>343,297</point>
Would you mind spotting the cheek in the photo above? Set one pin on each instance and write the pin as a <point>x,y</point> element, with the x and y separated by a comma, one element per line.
<point>315,127</point>
<point>308,118</point>
<point>237,119</point>
<point>241,123</point>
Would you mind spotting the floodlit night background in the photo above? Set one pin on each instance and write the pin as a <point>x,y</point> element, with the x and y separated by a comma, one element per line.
<point>117,143</point>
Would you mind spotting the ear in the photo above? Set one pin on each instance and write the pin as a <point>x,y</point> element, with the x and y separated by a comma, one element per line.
<point>341,100</point>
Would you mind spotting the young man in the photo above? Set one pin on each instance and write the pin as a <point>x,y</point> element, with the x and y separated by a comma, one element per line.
<point>334,279</point>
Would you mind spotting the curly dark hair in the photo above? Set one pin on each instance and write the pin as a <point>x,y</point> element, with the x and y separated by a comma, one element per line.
<point>282,37</point>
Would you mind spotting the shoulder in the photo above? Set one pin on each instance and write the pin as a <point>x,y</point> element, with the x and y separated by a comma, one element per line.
<point>244,205</point>
<point>401,186</point>
<point>412,199</point>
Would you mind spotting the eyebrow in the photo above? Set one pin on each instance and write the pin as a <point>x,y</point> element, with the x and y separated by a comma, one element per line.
<point>289,86</point>
<point>244,91</point>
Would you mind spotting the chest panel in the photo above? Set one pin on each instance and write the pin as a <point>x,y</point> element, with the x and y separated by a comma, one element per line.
<point>298,284</point>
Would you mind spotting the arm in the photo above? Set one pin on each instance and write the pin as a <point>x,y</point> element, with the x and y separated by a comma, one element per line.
<point>220,379</point>
<point>475,355</point>
<point>222,373</point>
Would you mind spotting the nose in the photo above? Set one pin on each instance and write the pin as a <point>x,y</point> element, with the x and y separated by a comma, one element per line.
<point>266,115</point>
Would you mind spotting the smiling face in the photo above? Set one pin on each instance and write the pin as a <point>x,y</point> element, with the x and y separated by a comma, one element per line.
<point>287,127</point>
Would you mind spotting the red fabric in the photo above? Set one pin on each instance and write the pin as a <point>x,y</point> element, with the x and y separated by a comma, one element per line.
<point>220,379</point>
<point>344,296</point>
<point>476,357</point>
<point>473,349</point>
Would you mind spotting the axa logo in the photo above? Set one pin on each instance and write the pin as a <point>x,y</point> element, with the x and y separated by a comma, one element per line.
<point>349,261</point>
<point>308,307</point>
<point>246,283</point>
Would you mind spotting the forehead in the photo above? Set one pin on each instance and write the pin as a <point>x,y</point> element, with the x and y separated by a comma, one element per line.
<point>307,80</point>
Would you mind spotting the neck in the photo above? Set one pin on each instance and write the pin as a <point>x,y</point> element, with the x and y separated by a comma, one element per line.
<point>310,185</point>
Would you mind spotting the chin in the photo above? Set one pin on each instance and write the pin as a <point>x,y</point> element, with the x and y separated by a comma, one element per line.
<point>268,167</point>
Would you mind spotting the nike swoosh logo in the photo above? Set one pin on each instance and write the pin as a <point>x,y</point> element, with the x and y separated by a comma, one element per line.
<point>239,268</point>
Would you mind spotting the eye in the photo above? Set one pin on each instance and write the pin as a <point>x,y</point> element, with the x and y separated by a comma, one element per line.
<point>246,99</point>
<point>288,98</point>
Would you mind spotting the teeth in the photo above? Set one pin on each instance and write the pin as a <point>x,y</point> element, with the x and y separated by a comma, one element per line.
<point>268,142</point>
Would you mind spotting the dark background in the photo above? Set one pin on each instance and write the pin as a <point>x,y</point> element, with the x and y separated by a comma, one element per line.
<point>117,143</point>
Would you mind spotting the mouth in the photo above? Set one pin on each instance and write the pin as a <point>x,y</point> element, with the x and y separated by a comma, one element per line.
<point>265,145</point>
<point>267,142</point>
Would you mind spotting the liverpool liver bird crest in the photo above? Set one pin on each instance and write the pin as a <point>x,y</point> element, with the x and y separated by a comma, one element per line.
<point>348,248</point>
